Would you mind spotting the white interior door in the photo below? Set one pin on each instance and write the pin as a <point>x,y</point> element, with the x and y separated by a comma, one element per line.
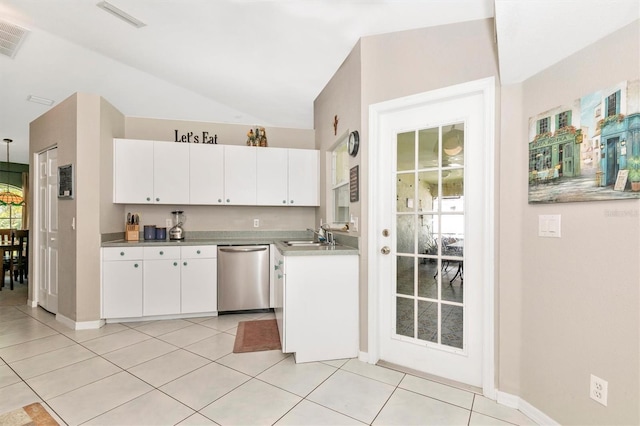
<point>429,234</point>
<point>47,227</point>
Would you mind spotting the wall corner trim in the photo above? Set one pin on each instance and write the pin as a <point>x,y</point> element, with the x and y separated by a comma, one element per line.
<point>523,406</point>
<point>83,325</point>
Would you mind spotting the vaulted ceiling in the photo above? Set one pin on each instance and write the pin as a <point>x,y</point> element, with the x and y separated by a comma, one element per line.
<point>251,61</point>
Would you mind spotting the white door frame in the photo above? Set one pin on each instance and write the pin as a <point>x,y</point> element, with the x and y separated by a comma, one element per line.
<point>487,88</point>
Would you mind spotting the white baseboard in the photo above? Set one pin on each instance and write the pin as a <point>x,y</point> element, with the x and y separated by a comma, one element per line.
<point>527,409</point>
<point>84,325</point>
<point>363,356</point>
<point>32,303</point>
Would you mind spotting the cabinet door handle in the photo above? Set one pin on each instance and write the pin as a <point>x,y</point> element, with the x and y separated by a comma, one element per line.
<point>135,265</point>
<point>198,252</point>
<point>121,253</point>
<point>291,201</point>
<point>161,252</point>
<point>284,201</point>
<point>148,198</point>
<point>175,263</point>
<point>157,199</point>
<point>228,200</point>
<point>185,263</point>
<point>219,200</point>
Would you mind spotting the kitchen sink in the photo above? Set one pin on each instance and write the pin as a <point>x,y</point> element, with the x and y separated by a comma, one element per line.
<point>304,243</point>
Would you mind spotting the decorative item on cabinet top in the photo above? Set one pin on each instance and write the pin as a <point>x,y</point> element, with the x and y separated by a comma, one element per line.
<point>257,138</point>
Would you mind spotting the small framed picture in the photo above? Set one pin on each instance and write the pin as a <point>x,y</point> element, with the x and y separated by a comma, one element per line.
<point>65,181</point>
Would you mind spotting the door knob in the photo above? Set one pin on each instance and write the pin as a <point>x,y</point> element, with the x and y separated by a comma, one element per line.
<point>385,250</point>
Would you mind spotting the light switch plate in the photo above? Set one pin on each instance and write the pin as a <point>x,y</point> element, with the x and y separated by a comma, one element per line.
<point>549,226</point>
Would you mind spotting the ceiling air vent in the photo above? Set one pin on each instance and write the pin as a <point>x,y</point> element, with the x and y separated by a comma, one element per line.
<point>11,37</point>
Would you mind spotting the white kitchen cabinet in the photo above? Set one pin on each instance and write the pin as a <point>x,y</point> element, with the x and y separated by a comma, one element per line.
<point>132,171</point>
<point>317,306</point>
<point>206,174</point>
<point>199,291</point>
<point>122,282</point>
<point>272,176</point>
<point>303,177</point>
<point>278,294</point>
<point>161,280</point>
<point>170,173</point>
<point>240,175</point>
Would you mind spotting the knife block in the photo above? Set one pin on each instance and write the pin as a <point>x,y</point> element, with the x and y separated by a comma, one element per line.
<point>132,233</point>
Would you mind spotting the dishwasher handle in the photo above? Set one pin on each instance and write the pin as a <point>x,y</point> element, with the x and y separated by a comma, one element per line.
<point>242,250</point>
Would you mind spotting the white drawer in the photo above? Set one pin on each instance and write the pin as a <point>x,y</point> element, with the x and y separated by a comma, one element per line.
<point>161,252</point>
<point>122,253</point>
<point>197,252</point>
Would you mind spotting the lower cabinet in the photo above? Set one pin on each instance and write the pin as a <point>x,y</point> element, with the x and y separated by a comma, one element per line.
<point>199,275</point>
<point>158,280</point>
<point>161,281</point>
<point>122,282</point>
<point>317,306</point>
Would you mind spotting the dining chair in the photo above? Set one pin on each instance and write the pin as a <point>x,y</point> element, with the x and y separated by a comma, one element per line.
<point>9,251</point>
<point>21,261</point>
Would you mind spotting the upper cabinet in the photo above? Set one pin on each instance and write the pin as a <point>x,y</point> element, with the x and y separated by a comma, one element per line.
<point>206,174</point>
<point>132,171</point>
<point>272,175</point>
<point>288,177</point>
<point>170,173</point>
<point>240,175</point>
<point>304,177</point>
<point>151,172</point>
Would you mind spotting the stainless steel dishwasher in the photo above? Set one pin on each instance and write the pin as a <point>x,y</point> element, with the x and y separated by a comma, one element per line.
<point>243,277</point>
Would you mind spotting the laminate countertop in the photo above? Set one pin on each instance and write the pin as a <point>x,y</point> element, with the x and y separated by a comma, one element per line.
<point>279,242</point>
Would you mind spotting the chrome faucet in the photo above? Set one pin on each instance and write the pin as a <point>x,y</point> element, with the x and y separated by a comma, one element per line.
<point>324,236</point>
<point>319,233</point>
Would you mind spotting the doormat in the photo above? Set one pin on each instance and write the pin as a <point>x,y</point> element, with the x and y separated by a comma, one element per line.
<point>29,415</point>
<point>254,336</point>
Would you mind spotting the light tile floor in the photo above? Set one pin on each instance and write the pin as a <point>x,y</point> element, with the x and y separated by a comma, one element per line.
<point>184,372</point>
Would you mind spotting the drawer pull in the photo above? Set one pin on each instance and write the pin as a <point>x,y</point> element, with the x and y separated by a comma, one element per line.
<point>161,252</point>
<point>121,253</point>
<point>198,252</point>
<point>135,265</point>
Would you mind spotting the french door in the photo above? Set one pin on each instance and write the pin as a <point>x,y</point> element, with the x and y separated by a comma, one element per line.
<point>46,223</point>
<point>429,234</point>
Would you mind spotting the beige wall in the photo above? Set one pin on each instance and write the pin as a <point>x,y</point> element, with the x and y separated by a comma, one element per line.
<point>222,218</point>
<point>576,298</point>
<point>392,66</point>
<point>111,126</point>
<point>79,126</point>
<point>58,127</point>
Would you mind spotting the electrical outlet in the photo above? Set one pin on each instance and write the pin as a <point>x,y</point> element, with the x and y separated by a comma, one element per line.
<point>168,223</point>
<point>256,223</point>
<point>598,390</point>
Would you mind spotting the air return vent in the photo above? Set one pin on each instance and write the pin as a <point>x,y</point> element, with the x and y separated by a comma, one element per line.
<point>11,37</point>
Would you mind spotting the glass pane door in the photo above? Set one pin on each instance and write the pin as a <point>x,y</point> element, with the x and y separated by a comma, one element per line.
<point>429,296</point>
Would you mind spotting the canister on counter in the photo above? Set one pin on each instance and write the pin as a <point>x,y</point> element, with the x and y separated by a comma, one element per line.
<point>149,232</point>
<point>161,233</point>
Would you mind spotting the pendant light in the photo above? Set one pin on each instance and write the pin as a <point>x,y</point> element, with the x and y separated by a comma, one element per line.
<point>6,197</point>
